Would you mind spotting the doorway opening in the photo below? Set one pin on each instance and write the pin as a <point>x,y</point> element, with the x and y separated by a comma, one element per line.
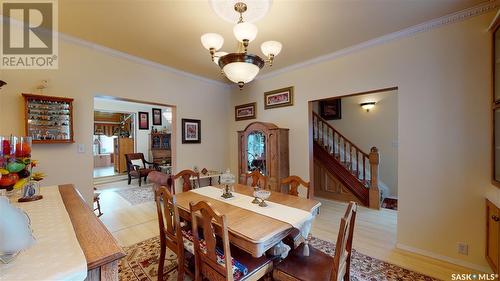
<point>124,127</point>
<point>354,151</point>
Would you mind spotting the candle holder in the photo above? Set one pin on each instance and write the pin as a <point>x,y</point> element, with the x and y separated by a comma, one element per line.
<point>227,179</point>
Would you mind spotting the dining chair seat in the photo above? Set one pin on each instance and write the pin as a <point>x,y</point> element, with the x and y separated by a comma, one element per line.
<point>243,259</point>
<point>296,266</point>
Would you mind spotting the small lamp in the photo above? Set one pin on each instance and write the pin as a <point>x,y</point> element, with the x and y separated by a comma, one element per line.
<point>368,105</point>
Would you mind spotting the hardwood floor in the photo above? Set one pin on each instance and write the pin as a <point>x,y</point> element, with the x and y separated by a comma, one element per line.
<point>374,235</point>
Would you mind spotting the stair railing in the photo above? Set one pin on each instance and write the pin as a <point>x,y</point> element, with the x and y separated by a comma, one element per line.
<point>364,166</point>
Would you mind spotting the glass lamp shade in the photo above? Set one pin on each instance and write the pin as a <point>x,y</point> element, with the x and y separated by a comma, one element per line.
<point>217,56</point>
<point>271,48</point>
<point>241,71</point>
<point>245,31</point>
<point>212,41</point>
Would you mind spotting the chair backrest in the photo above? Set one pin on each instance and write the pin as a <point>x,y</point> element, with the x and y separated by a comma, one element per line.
<point>161,179</point>
<point>258,179</point>
<point>134,156</point>
<point>169,221</point>
<point>206,260</point>
<point>343,248</point>
<point>295,182</point>
<point>186,176</point>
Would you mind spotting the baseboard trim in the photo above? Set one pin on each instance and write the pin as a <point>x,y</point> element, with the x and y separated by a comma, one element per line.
<point>443,258</point>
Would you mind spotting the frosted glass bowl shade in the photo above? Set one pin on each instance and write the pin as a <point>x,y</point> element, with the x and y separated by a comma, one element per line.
<point>240,67</point>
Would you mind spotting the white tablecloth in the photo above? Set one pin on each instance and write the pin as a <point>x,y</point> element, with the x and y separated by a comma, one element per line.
<point>56,254</point>
<point>298,218</point>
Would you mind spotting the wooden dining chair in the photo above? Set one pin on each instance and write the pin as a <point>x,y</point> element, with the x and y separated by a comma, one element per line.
<point>295,182</point>
<point>318,265</point>
<point>170,230</point>
<point>186,176</point>
<point>212,256</point>
<point>258,179</point>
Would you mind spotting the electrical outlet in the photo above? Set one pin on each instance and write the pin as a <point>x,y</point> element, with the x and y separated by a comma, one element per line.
<point>463,249</point>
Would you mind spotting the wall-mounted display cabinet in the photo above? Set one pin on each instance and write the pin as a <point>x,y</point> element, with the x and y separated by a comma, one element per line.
<point>48,119</point>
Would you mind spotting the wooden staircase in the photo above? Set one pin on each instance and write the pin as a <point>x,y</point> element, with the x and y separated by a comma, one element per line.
<point>355,169</point>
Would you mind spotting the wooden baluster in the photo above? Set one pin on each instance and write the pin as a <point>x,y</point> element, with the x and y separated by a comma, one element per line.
<point>357,163</point>
<point>345,150</point>
<point>320,132</point>
<point>374,192</point>
<point>364,170</point>
<point>315,127</point>
<point>330,143</point>
<point>338,146</point>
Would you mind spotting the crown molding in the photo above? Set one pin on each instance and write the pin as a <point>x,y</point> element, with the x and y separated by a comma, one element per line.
<point>119,54</point>
<point>407,32</point>
<point>132,58</point>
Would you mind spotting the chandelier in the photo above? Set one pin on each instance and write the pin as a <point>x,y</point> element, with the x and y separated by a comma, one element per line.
<point>240,67</point>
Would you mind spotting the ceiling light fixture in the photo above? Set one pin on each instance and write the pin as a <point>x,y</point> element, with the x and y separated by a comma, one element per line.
<point>367,105</point>
<point>240,67</point>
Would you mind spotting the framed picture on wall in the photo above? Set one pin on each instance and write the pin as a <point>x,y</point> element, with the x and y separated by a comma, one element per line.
<point>278,98</point>
<point>143,120</point>
<point>330,109</point>
<point>191,131</point>
<point>245,111</point>
<point>156,116</point>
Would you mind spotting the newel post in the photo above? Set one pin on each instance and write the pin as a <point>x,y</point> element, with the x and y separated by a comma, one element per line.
<point>374,191</point>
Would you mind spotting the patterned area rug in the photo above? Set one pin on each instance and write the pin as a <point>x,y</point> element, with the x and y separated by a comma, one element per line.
<point>138,195</point>
<point>141,264</point>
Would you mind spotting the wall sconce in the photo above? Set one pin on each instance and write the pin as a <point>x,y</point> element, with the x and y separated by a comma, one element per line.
<point>368,105</point>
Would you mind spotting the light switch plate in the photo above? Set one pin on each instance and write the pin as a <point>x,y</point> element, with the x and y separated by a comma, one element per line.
<point>81,148</point>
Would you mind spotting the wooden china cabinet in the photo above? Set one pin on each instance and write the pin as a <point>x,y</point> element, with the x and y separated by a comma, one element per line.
<point>492,210</point>
<point>264,146</point>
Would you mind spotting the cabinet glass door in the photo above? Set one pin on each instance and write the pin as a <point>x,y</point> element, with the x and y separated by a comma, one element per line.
<point>256,152</point>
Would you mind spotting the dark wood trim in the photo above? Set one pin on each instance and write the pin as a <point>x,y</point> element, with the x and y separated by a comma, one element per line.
<point>99,246</point>
<point>310,191</point>
<point>495,105</point>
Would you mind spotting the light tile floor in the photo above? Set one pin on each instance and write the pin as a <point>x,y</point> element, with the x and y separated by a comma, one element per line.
<point>375,231</point>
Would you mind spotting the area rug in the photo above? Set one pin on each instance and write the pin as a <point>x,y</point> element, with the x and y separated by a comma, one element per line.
<point>137,195</point>
<point>141,264</point>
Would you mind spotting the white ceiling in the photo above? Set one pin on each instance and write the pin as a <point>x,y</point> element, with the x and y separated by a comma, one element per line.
<point>168,31</point>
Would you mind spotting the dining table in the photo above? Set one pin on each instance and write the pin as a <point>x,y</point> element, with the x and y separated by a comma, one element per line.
<point>252,228</point>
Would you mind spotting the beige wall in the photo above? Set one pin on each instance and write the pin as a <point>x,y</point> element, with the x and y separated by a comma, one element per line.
<point>378,128</point>
<point>444,80</point>
<point>83,73</point>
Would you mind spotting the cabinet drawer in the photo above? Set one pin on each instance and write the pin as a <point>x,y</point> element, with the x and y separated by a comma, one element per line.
<point>492,232</point>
